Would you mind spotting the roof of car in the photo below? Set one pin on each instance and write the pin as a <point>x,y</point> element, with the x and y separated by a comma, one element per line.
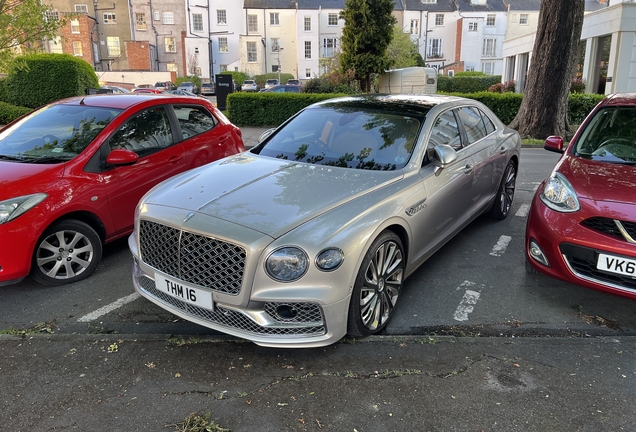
<point>621,99</point>
<point>126,100</point>
<point>418,102</point>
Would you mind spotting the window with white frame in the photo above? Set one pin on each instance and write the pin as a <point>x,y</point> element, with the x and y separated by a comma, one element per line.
<point>523,19</point>
<point>252,55</point>
<point>252,23</point>
<point>221,17</point>
<point>80,8</point>
<point>157,15</point>
<point>439,19</point>
<point>223,68</point>
<point>197,22</point>
<point>469,68</point>
<point>140,20</point>
<point>472,26</point>
<point>75,26</point>
<point>489,48</point>
<point>328,47</point>
<point>332,20</point>
<point>275,68</point>
<point>223,45</point>
<point>196,50</point>
<point>235,68</point>
<point>170,43</point>
<point>172,67</point>
<point>275,42</point>
<point>307,23</point>
<point>307,49</point>
<point>77,48</point>
<point>52,15</point>
<point>307,73</point>
<point>197,71</point>
<point>488,68</point>
<point>55,45</point>
<point>274,19</point>
<point>112,43</point>
<point>415,26</point>
<point>109,18</point>
<point>490,20</point>
<point>434,48</point>
<point>167,17</point>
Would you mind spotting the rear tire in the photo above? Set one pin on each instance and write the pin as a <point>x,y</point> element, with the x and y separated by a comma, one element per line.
<point>505,194</point>
<point>67,252</point>
<point>377,287</point>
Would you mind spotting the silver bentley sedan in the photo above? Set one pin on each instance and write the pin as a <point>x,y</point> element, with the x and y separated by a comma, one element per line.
<point>310,235</point>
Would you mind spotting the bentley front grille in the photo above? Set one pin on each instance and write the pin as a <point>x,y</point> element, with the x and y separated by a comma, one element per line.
<point>192,258</point>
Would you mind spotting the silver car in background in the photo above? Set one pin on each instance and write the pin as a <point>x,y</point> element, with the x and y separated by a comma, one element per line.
<point>310,235</point>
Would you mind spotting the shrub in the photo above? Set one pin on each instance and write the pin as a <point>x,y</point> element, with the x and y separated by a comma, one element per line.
<point>580,105</point>
<point>334,82</point>
<point>471,82</point>
<point>37,79</point>
<point>507,87</point>
<point>8,112</point>
<point>496,88</point>
<point>189,78</point>
<point>578,86</point>
<point>238,77</point>
<point>470,74</point>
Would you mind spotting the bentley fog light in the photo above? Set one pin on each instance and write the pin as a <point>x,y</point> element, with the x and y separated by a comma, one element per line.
<point>329,259</point>
<point>559,195</point>
<point>286,264</point>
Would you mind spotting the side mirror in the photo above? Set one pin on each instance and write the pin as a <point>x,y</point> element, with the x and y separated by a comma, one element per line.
<point>122,157</point>
<point>265,134</point>
<point>443,155</point>
<point>554,144</point>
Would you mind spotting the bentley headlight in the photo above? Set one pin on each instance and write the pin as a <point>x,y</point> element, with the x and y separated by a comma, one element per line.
<point>329,259</point>
<point>559,195</point>
<point>14,207</point>
<point>286,264</point>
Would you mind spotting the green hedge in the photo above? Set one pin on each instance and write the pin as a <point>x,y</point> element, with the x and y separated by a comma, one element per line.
<point>466,84</point>
<point>9,112</point>
<point>269,109</point>
<point>37,79</point>
<point>272,109</point>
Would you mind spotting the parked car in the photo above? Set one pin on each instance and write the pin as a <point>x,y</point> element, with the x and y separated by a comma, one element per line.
<point>182,93</point>
<point>310,235</point>
<point>271,83</point>
<point>249,86</point>
<point>116,89</point>
<point>283,89</point>
<point>152,90</point>
<point>188,86</point>
<point>293,82</point>
<point>207,88</point>
<point>73,172</point>
<point>165,85</point>
<point>582,223</point>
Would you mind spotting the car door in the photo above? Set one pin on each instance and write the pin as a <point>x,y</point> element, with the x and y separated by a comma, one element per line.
<point>445,191</point>
<point>150,134</point>
<point>482,147</point>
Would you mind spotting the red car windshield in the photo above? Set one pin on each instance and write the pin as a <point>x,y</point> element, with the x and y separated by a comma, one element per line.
<point>610,136</point>
<point>53,134</point>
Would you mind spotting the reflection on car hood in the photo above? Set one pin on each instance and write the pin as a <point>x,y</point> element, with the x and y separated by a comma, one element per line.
<point>34,178</point>
<point>269,195</point>
<point>601,181</point>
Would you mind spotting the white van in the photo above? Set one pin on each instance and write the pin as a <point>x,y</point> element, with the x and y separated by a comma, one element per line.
<point>412,80</point>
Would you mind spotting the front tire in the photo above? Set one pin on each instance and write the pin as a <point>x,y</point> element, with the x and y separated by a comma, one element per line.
<point>377,287</point>
<point>505,194</point>
<point>67,252</point>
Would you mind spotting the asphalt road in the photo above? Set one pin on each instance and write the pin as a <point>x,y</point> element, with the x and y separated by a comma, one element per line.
<point>475,285</point>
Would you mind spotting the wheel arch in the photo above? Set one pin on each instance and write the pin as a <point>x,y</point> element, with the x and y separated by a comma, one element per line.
<point>87,217</point>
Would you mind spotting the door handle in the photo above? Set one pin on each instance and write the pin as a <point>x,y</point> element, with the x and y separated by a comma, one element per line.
<point>502,150</point>
<point>468,169</point>
<point>174,159</point>
<point>223,139</point>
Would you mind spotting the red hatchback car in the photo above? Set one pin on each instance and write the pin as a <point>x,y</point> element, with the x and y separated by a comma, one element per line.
<point>582,223</point>
<point>73,172</point>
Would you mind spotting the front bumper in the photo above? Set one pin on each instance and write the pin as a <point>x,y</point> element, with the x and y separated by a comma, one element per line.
<point>18,240</point>
<point>571,245</point>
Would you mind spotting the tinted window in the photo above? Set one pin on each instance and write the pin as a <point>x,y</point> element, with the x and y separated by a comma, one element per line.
<point>194,120</point>
<point>610,136</point>
<point>490,127</point>
<point>446,131</point>
<point>147,132</point>
<point>473,123</point>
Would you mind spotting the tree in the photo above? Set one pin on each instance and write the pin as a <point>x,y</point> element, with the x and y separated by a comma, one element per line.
<point>402,51</point>
<point>543,110</point>
<point>193,62</point>
<point>365,37</point>
<point>23,26</point>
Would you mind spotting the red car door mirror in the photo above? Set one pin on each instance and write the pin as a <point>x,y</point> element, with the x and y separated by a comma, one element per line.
<point>554,143</point>
<point>122,157</point>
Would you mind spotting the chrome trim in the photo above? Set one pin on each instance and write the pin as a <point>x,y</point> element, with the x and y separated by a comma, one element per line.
<point>596,281</point>
<point>623,231</point>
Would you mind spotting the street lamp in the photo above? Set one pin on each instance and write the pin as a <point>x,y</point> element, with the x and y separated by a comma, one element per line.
<point>279,50</point>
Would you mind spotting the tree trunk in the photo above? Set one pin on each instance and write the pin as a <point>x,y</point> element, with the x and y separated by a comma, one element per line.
<point>543,111</point>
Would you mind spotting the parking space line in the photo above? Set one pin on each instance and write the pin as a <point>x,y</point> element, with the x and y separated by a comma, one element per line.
<point>466,305</point>
<point>109,308</point>
<point>523,210</point>
<point>500,247</point>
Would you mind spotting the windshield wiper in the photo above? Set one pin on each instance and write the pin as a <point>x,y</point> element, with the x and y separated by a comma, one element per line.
<point>47,159</point>
<point>12,158</point>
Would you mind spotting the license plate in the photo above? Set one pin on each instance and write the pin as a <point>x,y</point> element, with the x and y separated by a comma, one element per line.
<point>184,292</point>
<point>618,265</point>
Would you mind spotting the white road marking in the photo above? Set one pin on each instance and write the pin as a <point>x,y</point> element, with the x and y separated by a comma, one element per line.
<point>500,247</point>
<point>523,210</point>
<point>465,284</point>
<point>109,308</point>
<point>466,306</point>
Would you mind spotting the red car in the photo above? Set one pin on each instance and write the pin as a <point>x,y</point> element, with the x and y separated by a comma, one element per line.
<point>582,223</point>
<point>73,172</point>
<point>148,90</point>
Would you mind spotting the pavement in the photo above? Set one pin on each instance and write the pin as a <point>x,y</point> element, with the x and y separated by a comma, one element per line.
<point>137,382</point>
<point>251,135</point>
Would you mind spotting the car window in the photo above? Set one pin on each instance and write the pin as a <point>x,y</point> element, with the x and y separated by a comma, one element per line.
<point>194,120</point>
<point>490,127</point>
<point>146,132</point>
<point>473,123</point>
<point>610,136</point>
<point>445,131</point>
